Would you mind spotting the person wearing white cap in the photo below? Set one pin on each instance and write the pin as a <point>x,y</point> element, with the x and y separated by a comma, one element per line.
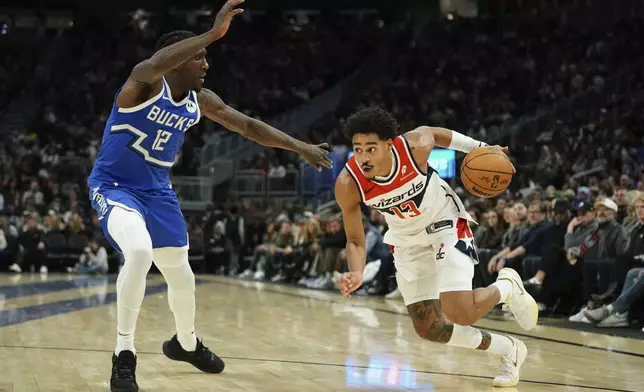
<point>598,251</point>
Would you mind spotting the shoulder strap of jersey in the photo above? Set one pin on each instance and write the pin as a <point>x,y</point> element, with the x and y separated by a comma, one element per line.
<point>356,173</point>
<point>141,105</point>
<point>406,157</point>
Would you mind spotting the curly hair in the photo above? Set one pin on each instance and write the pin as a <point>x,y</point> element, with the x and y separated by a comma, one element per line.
<point>372,120</point>
<point>172,38</point>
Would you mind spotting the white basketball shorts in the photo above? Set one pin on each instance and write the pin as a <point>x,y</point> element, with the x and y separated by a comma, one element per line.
<point>445,264</point>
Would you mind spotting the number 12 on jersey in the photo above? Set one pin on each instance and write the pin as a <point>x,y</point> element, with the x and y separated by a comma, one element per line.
<point>408,209</point>
<point>161,139</point>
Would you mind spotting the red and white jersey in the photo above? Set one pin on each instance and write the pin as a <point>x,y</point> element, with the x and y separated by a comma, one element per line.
<point>409,199</point>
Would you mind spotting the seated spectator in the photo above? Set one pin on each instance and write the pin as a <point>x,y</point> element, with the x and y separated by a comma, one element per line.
<point>218,250</point>
<point>77,241</point>
<point>492,236</point>
<point>532,241</point>
<point>550,276</point>
<point>92,261</point>
<point>31,241</point>
<point>616,314</point>
<point>598,251</point>
<point>633,256</point>
<point>260,254</point>
<point>331,257</point>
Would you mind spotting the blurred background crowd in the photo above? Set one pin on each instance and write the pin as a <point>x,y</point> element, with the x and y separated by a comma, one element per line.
<point>566,97</point>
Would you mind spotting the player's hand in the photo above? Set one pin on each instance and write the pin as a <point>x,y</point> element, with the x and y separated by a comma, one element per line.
<point>505,150</point>
<point>491,266</point>
<point>350,282</point>
<point>316,155</point>
<point>224,17</point>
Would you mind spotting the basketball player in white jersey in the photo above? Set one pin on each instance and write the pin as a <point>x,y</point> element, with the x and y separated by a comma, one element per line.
<point>430,237</point>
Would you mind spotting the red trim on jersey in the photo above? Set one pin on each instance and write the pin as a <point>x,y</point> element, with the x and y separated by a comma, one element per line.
<point>407,171</point>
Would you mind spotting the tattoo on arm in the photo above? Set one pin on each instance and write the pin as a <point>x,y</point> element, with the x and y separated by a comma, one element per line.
<point>429,322</point>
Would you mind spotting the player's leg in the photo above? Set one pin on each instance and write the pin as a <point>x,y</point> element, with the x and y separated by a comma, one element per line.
<point>184,346</point>
<point>420,289</point>
<point>169,234</point>
<point>464,306</point>
<point>127,230</point>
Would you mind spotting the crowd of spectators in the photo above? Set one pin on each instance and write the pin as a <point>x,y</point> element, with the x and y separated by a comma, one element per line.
<point>44,165</point>
<point>577,240</point>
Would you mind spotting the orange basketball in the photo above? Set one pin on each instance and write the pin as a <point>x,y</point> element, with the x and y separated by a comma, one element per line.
<point>486,172</point>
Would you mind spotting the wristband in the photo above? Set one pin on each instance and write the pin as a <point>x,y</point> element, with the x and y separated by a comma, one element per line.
<point>464,143</point>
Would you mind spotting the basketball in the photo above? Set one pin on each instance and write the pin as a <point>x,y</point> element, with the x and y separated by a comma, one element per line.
<point>486,172</point>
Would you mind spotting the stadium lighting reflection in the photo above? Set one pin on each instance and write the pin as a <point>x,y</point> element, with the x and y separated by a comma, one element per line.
<point>382,372</point>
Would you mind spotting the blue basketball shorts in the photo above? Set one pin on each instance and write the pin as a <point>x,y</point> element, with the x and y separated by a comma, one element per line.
<point>159,209</point>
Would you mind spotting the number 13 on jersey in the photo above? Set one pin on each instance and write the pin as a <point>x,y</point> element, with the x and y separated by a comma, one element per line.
<point>408,209</point>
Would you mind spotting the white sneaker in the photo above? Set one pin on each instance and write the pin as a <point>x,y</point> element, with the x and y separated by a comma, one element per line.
<point>43,269</point>
<point>15,268</point>
<point>394,294</point>
<point>580,317</point>
<point>510,364</point>
<point>615,320</point>
<point>522,305</point>
<point>597,315</point>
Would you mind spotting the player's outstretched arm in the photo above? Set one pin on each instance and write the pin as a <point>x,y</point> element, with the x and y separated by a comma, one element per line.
<point>423,139</point>
<point>348,198</point>
<point>145,78</point>
<point>215,109</point>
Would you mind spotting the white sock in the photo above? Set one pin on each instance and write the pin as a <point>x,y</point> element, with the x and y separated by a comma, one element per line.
<point>470,337</point>
<point>124,342</point>
<point>500,345</point>
<point>187,340</point>
<point>610,308</point>
<point>505,287</point>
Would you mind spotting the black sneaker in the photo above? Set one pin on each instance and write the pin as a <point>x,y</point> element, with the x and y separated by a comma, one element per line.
<point>202,358</point>
<point>124,373</point>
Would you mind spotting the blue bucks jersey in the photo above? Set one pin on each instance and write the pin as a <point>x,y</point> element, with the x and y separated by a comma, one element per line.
<point>140,144</point>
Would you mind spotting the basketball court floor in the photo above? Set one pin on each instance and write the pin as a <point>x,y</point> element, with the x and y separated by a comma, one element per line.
<point>57,334</point>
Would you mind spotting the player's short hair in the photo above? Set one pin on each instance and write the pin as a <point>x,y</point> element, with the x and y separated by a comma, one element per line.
<point>372,120</point>
<point>172,38</point>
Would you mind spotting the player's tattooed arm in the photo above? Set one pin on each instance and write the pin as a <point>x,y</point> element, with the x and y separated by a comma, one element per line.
<point>215,109</point>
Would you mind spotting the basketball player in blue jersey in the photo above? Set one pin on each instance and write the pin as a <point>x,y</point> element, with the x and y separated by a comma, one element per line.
<point>131,192</point>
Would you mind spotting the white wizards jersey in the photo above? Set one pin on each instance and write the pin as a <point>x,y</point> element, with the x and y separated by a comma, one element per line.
<point>409,199</point>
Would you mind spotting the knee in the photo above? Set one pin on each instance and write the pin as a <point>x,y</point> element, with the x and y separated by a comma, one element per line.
<point>459,313</point>
<point>140,253</point>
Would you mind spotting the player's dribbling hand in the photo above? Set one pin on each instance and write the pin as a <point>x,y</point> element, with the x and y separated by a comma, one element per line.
<point>505,150</point>
<point>316,155</point>
<point>224,17</point>
<point>350,282</point>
